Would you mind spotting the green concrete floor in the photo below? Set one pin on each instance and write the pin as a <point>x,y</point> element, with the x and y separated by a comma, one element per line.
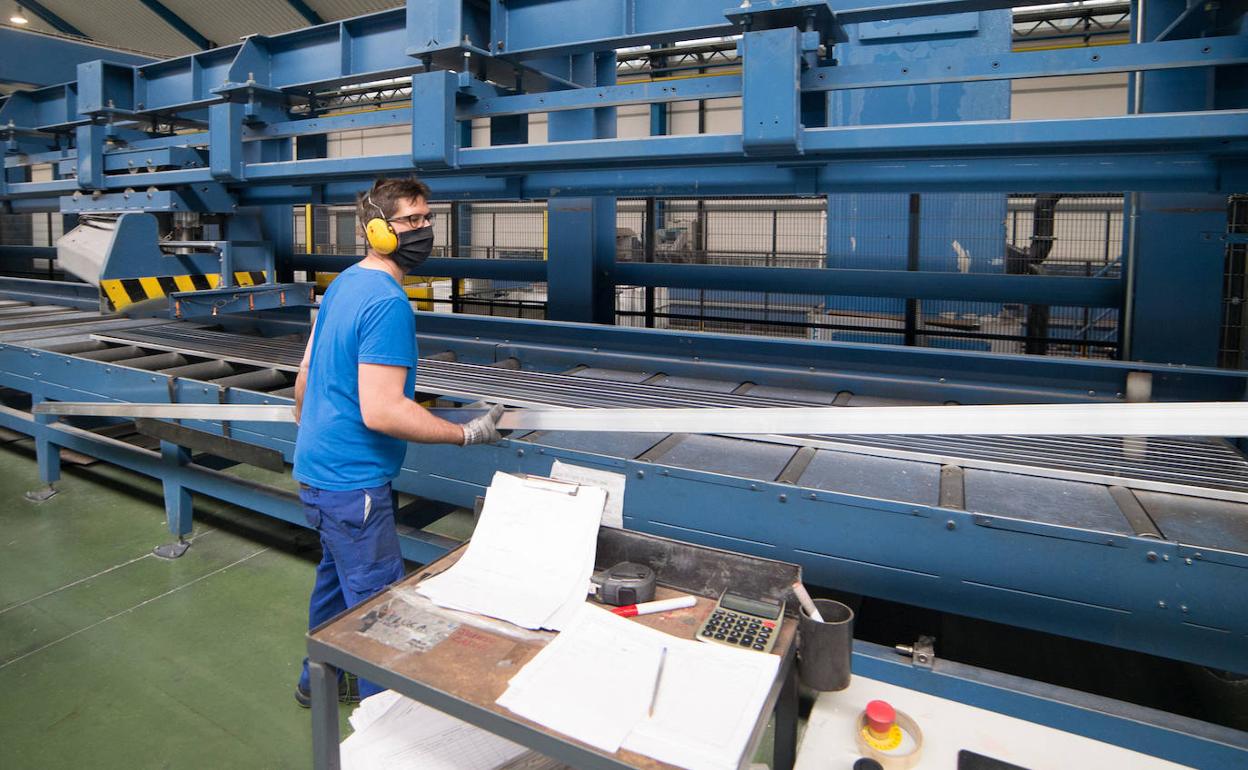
<point>113,658</point>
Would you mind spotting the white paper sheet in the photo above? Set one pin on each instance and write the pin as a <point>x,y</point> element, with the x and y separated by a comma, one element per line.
<point>613,513</point>
<point>595,682</point>
<point>411,736</point>
<point>530,556</point>
<point>707,707</point>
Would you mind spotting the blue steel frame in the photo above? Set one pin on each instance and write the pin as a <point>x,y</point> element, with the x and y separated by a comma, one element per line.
<point>239,107</point>
<point>34,59</point>
<point>244,96</point>
<point>1127,587</point>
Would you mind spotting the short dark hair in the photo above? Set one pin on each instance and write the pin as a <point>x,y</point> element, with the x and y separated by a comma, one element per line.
<point>385,194</point>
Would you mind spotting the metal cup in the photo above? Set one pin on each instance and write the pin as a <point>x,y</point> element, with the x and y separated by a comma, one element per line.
<point>823,649</point>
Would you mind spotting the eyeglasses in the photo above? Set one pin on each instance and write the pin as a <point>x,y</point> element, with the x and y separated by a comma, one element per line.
<point>414,221</point>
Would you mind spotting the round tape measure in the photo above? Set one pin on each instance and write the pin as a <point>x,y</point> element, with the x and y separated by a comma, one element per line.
<point>625,583</point>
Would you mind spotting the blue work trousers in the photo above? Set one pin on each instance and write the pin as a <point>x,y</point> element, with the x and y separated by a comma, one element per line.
<point>360,553</point>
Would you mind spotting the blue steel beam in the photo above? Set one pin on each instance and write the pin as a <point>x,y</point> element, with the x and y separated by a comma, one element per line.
<point>1207,52</point>
<point>1033,289</point>
<point>1158,133</point>
<point>532,270</point>
<point>178,23</point>
<point>188,82</point>
<point>971,378</point>
<point>311,59</point>
<point>527,30</point>
<point>1110,174</point>
<point>56,22</point>
<point>654,92</point>
<point>42,60</point>
<point>1179,54</point>
<point>1174,132</point>
<point>851,12</point>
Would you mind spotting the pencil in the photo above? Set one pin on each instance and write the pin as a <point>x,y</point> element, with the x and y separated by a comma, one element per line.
<point>658,677</point>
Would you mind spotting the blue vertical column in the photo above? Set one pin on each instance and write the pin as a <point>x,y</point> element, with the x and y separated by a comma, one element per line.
<point>958,233</point>
<point>655,209</point>
<point>581,231</point>
<point>225,141</point>
<point>179,505</point>
<point>1174,314</point>
<point>460,233</point>
<point>278,222</point>
<point>89,142</point>
<point>47,457</point>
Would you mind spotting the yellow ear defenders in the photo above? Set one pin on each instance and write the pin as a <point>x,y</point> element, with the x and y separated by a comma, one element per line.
<point>379,233</point>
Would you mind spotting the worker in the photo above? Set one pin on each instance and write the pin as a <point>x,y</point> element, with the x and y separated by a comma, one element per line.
<point>354,406</point>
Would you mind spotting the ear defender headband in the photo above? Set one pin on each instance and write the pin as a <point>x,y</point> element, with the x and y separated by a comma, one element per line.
<point>379,233</point>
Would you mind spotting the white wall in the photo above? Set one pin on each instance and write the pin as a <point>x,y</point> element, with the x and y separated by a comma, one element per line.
<point>1071,96</point>
<point>1078,96</point>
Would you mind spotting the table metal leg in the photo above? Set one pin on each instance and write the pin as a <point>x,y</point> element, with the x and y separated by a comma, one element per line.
<point>323,678</point>
<point>784,754</point>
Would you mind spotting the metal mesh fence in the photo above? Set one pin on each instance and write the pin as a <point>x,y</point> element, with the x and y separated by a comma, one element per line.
<point>30,230</point>
<point>1035,234</point>
<point>336,230</point>
<point>1023,234</point>
<point>1233,341</point>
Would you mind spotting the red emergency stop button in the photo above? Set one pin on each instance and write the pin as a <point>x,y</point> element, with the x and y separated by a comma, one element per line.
<point>880,717</point>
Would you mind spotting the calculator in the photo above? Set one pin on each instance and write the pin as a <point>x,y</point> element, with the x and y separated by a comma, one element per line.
<point>741,622</point>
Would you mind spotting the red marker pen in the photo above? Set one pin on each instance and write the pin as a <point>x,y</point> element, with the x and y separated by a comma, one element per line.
<point>662,605</point>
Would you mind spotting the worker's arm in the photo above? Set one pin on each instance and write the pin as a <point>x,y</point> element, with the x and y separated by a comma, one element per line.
<point>301,379</point>
<point>387,409</point>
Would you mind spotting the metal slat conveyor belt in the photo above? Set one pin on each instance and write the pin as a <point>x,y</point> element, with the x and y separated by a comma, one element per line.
<point>1201,463</point>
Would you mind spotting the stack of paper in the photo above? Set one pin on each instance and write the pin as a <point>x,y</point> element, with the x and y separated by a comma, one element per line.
<point>593,682</point>
<point>596,680</point>
<point>530,557</point>
<point>395,733</point>
<point>707,706</point>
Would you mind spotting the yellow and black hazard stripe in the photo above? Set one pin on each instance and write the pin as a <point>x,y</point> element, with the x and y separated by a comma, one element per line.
<point>127,291</point>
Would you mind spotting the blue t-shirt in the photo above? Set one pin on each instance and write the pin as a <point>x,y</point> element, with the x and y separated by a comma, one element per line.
<point>364,318</point>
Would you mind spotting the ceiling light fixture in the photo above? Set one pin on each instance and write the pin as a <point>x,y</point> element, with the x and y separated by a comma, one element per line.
<point>18,17</point>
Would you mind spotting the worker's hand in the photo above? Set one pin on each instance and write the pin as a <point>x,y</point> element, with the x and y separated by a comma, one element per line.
<point>484,429</point>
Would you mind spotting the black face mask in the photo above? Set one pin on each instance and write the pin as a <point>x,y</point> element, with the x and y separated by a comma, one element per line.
<point>415,246</point>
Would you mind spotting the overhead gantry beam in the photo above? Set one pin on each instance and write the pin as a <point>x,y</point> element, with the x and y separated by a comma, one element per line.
<point>56,22</point>
<point>177,22</point>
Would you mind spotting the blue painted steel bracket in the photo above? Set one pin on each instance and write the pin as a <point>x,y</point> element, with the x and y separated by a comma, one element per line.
<point>135,160</point>
<point>1179,54</point>
<point>958,24</point>
<point>33,58</point>
<point>83,296</point>
<point>225,149</point>
<point>211,303</point>
<point>771,97</point>
<point>443,25</point>
<point>90,170</point>
<point>105,88</point>
<point>435,136</point>
<point>650,92</point>
<point>208,197</point>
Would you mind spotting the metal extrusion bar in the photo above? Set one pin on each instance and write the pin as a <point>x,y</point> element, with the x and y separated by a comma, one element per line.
<point>227,412</point>
<point>1196,419</point>
<point>1199,419</point>
<point>1185,466</point>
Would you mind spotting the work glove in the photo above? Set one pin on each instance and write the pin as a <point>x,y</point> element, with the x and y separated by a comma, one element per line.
<point>484,429</point>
